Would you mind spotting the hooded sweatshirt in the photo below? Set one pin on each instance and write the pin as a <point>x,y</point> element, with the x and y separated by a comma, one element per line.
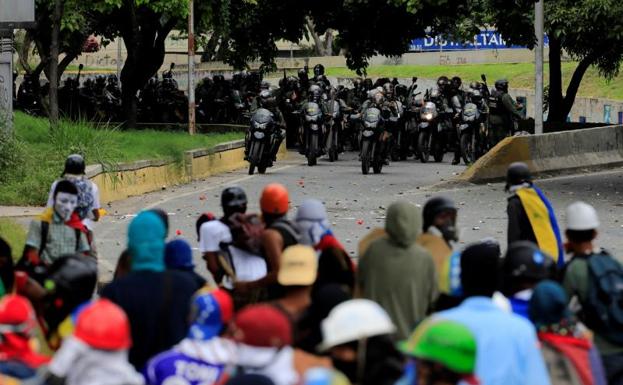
<point>80,364</point>
<point>397,273</point>
<point>156,301</point>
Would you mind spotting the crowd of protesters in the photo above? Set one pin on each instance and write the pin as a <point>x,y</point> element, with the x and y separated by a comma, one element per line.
<point>286,305</point>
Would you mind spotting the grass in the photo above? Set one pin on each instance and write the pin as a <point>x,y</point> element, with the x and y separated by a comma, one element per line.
<point>38,154</point>
<point>14,234</point>
<point>520,75</point>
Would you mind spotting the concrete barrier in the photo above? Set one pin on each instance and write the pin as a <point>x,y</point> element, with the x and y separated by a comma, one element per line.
<point>558,152</point>
<point>136,178</point>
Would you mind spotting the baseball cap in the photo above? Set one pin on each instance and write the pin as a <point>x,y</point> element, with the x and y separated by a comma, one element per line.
<point>262,326</point>
<point>211,311</point>
<point>299,266</point>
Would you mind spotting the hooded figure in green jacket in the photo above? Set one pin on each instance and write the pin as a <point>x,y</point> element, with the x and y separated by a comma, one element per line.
<point>397,273</point>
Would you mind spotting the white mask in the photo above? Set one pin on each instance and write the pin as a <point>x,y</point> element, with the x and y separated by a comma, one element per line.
<point>65,204</point>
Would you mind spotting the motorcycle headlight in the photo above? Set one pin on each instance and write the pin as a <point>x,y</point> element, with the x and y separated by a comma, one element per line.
<point>370,124</point>
<point>428,116</point>
<point>469,118</point>
<point>311,118</point>
<point>368,133</point>
<point>314,127</point>
<point>258,135</point>
<point>259,126</point>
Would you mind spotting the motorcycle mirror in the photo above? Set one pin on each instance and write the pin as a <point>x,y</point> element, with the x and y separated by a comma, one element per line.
<point>172,66</point>
<point>414,79</point>
<point>81,66</point>
<point>483,77</point>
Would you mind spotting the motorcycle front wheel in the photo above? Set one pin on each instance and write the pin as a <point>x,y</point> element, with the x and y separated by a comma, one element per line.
<point>312,150</point>
<point>468,151</point>
<point>366,157</point>
<point>424,145</point>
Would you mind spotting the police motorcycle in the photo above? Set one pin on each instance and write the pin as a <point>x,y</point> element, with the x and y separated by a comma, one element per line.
<point>473,127</point>
<point>313,126</point>
<point>259,141</point>
<point>372,141</point>
<point>432,129</point>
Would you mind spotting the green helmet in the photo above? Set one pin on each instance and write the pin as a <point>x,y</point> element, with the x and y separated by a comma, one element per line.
<point>448,343</point>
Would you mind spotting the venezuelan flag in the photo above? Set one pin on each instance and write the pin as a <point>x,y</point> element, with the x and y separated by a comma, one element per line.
<point>541,215</point>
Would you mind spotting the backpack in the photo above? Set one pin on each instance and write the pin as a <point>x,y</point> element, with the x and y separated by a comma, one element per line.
<point>603,310</point>
<point>85,196</point>
<point>495,103</point>
<point>246,232</point>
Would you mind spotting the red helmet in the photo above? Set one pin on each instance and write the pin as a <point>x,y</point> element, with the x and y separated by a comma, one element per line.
<point>16,315</point>
<point>262,326</point>
<point>104,325</point>
<point>275,199</point>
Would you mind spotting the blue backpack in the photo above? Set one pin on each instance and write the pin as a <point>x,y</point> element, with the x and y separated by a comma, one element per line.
<point>603,310</point>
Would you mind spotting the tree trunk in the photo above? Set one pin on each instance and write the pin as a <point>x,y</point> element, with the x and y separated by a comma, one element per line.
<point>555,100</point>
<point>559,105</point>
<point>145,42</point>
<point>54,52</point>
<point>318,47</point>
<point>328,43</point>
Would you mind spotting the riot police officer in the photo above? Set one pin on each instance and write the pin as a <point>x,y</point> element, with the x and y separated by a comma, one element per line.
<point>503,111</point>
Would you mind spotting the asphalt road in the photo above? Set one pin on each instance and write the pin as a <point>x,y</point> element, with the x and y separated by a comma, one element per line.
<point>356,203</point>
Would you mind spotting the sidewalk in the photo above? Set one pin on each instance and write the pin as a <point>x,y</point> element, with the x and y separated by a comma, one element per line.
<point>17,211</point>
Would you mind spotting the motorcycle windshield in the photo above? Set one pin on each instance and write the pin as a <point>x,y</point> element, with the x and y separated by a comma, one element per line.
<point>372,115</point>
<point>470,110</point>
<point>312,109</point>
<point>262,116</point>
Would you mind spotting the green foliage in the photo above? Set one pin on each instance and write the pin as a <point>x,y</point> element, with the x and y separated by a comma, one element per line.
<point>15,235</point>
<point>42,153</point>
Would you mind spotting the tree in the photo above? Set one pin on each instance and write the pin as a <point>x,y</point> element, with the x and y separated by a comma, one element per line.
<point>144,26</point>
<point>322,46</point>
<point>589,31</point>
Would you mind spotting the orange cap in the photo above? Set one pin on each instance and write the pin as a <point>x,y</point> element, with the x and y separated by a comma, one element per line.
<point>104,325</point>
<point>274,199</point>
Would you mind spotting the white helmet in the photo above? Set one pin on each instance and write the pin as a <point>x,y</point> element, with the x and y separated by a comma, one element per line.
<point>581,216</point>
<point>354,320</point>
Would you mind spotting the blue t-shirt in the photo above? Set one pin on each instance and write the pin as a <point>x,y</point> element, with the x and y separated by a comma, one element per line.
<point>172,367</point>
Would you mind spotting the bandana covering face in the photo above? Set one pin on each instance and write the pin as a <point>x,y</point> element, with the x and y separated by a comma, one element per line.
<point>312,221</point>
<point>65,204</point>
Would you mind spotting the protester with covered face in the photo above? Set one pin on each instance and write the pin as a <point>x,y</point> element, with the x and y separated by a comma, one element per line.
<point>17,326</point>
<point>97,352</point>
<point>397,273</point>
<point>156,300</point>
<point>179,256</point>
<point>58,231</point>
<point>88,206</point>
<point>363,350</point>
<point>201,357</point>
<point>334,264</point>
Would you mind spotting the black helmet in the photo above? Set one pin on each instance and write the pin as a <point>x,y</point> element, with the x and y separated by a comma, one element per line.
<point>233,197</point>
<point>501,85</point>
<point>456,82</point>
<point>443,82</point>
<point>518,173</point>
<point>474,85</point>
<point>434,207</point>
<point>74,164</point>
<point>71,282</point>
<point>388,89</point>
<point>318,70</point>
<point>267,99</point>
<point>302,74</point>
<point>524,261</point>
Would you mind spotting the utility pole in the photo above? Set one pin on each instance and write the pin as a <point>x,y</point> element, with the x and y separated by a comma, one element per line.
<point>119,42</point>
<point>191,68</point>
<point>538,89</point>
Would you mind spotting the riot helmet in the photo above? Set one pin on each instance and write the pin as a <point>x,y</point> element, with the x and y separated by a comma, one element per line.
<point>456,83</point>
<point>318,70</point>
<point>388,89</point>
<point>442,83</point>
<point>501,85</point>
<point>267,99</point>
<point>518,173</point>
<point>74,165</point>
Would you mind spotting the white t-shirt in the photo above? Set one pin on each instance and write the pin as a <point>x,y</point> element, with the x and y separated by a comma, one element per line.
<point>248,267</point>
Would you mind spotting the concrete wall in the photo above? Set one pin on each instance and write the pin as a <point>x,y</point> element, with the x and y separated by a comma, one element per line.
<point>592,148</point>
<point>131,179</point>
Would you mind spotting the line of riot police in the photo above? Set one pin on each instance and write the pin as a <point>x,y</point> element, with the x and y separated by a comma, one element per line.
<point>382,120</point>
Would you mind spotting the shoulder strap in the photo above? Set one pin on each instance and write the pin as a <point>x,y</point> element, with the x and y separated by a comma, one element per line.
<point>77,232</point>
<point>45,229</point>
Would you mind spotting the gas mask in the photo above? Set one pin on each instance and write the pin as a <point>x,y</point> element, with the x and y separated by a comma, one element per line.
<point>65,204</point>
<point>448,230</point>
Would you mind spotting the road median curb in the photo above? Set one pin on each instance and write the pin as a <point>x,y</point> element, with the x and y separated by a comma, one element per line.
<point>560,152</point>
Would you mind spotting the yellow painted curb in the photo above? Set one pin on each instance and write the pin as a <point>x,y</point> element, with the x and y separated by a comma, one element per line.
<point>147,176</point>
<point>493,164</point>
